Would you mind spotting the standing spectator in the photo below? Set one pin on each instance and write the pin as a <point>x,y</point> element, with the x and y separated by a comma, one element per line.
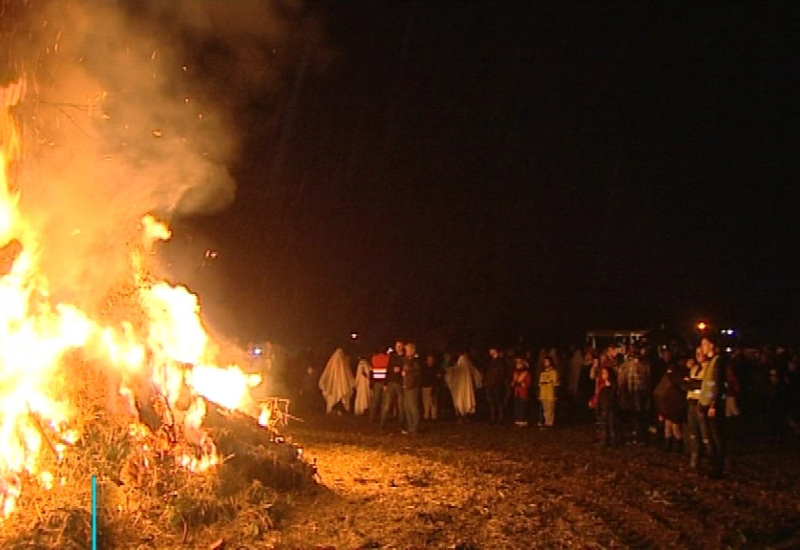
<point>589,373</point>
<point>393,389</point>
<point>336,382</point>
<point>697,429</point>
<point>777,405</point>
<point>607,360</point>
<point>711,405</point>
<point>732,412</point>
<point>430,379</point>
<point>445,408</point>
<point>759,384</point>
<point>380,365</point>
<point>792,381</point>
<point>671,403</point>
<point>412,373</point>
<point>548,385</point>
<point>463,379</point>
<point>508,395</point>
<point>557,362</point>
<point>575,368</point>
<point>495,382</point>
<point>633,378</point>
<point>605,401</point>
<point>309,396</point>
<point>521,385</point>
<point>537,366</point>
<point>363,390</point>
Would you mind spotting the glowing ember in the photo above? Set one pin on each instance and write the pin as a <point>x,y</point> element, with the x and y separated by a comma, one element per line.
<point>264,417</point>
<point>46,480</point>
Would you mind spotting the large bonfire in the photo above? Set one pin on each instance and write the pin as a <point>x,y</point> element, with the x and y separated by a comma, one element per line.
<point>120,391</point>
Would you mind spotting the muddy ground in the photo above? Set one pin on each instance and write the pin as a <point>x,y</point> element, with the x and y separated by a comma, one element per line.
<point>480,486</point>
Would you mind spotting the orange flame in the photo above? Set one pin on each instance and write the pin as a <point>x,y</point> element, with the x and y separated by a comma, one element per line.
<point>168,351</point>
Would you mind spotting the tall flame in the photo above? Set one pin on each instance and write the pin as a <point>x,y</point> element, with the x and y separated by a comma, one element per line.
<point>162,350</point>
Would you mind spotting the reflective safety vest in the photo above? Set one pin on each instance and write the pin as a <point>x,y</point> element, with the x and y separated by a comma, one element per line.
<point>380,364</point>
<point>696,374</point>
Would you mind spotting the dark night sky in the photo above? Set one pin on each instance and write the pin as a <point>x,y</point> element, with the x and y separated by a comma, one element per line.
<point>486,169</point>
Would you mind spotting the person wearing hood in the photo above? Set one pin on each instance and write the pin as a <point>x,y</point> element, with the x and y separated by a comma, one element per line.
<point>336,382</point>
<point>363,389</point>
<point>463,379</point>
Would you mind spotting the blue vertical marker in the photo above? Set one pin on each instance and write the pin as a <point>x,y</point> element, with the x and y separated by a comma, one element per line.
<point>94,512</point>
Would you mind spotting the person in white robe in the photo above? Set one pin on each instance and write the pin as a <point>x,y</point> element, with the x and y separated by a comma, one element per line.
<point>337,381</point>
<point>363,391</point>
<point>463,379</point>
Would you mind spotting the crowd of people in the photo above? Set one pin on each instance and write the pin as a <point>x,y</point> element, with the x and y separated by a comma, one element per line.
<point>689,400</point>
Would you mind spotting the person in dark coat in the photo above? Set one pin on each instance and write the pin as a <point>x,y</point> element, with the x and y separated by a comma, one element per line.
<point>393,387</point>
<point>495,383</point>
<point>430,381</point>
<point>670,400</point>
<point>607,407</point>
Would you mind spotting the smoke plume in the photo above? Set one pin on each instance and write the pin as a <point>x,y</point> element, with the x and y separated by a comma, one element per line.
<point>128,111</point>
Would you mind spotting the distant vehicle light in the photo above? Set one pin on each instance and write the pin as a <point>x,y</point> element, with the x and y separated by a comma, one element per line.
<point>702,326</point>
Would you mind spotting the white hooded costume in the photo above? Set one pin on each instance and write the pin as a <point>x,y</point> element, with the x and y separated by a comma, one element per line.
<point>336,381</point>
<point>463,379</point>
<point>363,391</point>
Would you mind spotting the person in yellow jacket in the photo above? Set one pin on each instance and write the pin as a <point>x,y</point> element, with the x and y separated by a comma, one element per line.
<point>548,384</point>
<point>711,405</point>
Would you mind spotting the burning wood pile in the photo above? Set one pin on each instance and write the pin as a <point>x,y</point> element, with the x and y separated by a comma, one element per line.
<point>134,392</point>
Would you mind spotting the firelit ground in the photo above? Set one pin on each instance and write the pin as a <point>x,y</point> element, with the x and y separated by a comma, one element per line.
<point>480,486</point>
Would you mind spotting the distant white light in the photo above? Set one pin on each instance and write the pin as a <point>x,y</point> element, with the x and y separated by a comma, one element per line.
<point>257,351</point>
<point>354,336</point>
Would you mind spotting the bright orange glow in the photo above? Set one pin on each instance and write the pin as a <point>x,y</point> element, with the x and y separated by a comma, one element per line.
<point>265,416</point>
<point>228,387</point>
<point>702,326</point>
<point>160,351</point>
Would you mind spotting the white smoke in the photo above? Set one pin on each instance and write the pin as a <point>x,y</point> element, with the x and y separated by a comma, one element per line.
<point>118,121</point>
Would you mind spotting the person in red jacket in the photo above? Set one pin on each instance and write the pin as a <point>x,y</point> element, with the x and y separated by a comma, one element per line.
<point>377,375</point>
<point>521,384</point>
